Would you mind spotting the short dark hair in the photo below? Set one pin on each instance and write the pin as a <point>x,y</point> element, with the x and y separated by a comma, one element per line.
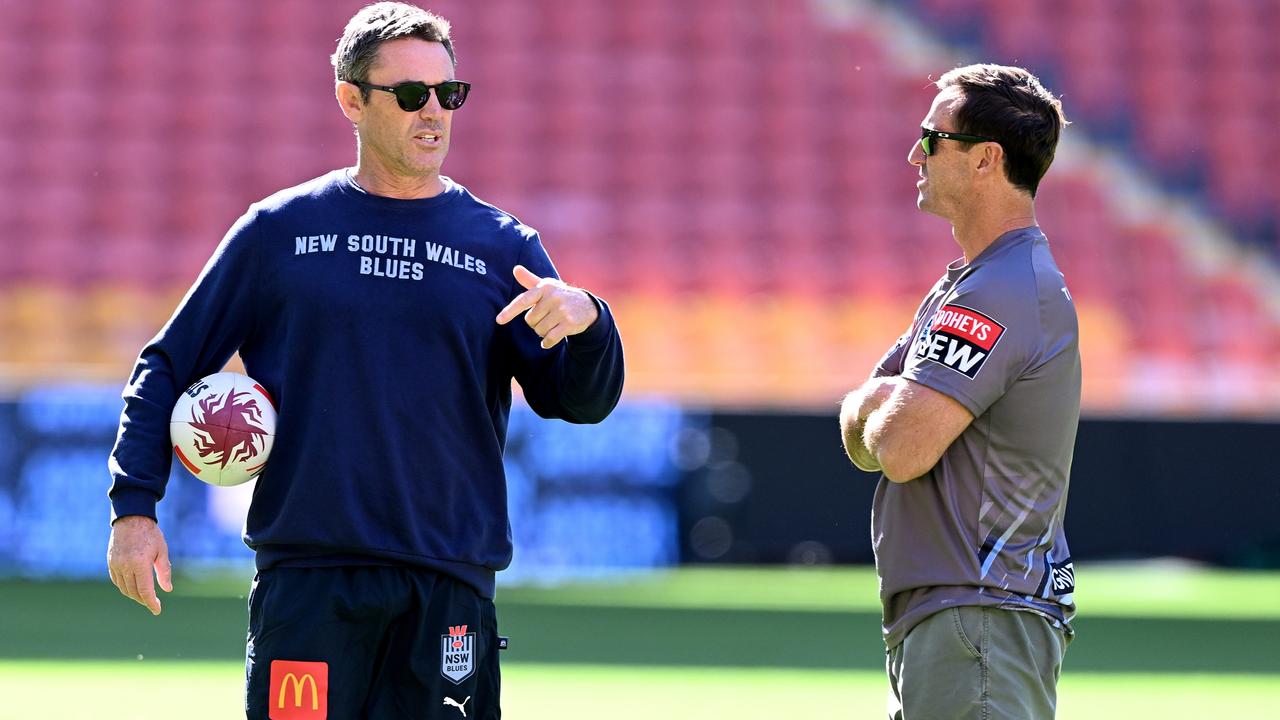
<point>376,24</point>
<point>1010,105</point>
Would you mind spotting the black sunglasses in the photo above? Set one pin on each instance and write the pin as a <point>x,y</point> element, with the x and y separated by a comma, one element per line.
<point>413,96</point>
<point>927,136</point>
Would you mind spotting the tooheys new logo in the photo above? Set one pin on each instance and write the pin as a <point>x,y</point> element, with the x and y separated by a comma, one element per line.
<point>960,338</point>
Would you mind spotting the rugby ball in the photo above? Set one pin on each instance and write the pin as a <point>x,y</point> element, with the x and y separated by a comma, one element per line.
<point>222,428</point>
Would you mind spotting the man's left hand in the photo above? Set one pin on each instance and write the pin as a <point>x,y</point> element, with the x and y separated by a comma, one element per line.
<point>553,309</point>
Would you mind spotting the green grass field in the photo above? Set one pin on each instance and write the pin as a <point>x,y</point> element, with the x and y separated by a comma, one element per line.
<point>1154,641</point>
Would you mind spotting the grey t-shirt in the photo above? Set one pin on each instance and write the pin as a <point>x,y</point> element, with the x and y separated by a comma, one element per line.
<point>984,526</point>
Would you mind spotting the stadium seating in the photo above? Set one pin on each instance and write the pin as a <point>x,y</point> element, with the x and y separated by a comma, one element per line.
<point>730,174</point>
<point>1191,83</point>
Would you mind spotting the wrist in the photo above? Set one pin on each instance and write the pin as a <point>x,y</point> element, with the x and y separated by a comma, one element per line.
<point>132,521</point>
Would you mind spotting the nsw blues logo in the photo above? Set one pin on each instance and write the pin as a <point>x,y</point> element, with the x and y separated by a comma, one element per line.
<point>457,654</point>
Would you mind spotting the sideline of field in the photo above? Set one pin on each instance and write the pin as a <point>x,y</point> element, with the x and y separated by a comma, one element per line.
<point>144,690</point>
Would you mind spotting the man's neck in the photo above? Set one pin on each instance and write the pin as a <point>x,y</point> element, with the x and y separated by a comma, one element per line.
<point>988,221</point>
<point>377,181</point>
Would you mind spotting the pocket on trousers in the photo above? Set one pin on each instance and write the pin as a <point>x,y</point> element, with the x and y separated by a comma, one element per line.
<point>262,585</point>
<point>970,627</point>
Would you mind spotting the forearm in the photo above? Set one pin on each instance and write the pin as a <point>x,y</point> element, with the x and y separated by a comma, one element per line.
<point>877,439</point>
<point>582,381</point>
<point>592,385</point>
<point>908,433</point>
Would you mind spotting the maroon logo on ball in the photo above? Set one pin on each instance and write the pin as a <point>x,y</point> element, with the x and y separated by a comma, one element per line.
<point>228,428</point>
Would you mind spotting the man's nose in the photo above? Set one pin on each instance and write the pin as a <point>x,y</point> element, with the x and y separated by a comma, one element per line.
<point>432,106</point>
<point>916,155</point>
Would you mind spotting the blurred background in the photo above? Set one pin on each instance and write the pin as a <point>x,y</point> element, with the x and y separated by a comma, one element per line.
<point>731,176</point>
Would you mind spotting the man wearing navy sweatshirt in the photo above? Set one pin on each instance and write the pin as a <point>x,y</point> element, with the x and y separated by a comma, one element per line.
<point>378,305</point>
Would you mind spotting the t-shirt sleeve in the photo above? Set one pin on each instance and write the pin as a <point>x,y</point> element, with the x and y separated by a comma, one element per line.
<point>977,344</point>
<point>894,361</point>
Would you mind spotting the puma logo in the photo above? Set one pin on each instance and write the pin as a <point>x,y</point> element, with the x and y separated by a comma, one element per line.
<point>460,705</point>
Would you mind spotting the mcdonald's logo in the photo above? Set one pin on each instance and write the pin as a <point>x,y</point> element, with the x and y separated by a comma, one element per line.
<point>299,684</point>
<point>299,690</point>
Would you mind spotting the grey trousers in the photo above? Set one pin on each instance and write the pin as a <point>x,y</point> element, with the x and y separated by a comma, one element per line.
<point>977,663</point>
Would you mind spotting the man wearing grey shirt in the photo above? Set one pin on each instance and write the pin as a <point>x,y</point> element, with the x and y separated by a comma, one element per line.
<point>971,416</point>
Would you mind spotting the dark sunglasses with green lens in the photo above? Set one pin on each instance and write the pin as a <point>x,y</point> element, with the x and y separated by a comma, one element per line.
<point>413,96</point>
<point>927,139</point>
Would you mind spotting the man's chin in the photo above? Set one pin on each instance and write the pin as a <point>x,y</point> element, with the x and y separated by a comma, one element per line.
<point>926,206</point>
<point>424,169</point>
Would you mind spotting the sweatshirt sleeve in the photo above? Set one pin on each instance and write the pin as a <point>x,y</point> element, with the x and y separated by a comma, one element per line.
<point>208,326</point>
<point>580,379</point>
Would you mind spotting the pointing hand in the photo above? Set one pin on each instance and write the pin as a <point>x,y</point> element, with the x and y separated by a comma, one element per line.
<point>553,309</point>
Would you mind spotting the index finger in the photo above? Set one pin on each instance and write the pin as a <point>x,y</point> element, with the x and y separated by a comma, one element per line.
<point>521,303</point>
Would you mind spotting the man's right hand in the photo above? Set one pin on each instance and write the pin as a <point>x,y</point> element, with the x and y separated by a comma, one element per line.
<point>136,548</point>
<point>854,410</point>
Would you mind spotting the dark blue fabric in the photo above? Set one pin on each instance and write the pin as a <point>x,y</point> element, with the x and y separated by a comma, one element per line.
<point>371,321</point>
<point>380,633</point>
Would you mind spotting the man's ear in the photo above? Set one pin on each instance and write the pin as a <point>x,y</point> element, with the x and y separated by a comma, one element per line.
<point>991,157</point>
<point>350,100</point>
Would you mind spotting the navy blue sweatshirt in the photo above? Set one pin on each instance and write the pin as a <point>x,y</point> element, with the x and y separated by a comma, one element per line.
<point>371,321</point>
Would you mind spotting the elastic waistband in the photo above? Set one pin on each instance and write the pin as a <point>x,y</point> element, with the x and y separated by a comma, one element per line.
<point>483,579</point>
